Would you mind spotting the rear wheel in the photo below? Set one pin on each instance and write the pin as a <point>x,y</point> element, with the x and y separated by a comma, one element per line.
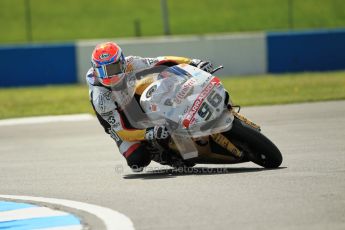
<point>255,146</point>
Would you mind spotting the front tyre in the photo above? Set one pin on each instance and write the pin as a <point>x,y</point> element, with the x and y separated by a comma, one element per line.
<point>255,146</point>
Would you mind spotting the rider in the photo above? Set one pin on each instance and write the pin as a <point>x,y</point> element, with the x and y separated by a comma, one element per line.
<point>108,66</point>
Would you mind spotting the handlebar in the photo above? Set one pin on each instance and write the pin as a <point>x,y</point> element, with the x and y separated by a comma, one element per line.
<point>216,69</point>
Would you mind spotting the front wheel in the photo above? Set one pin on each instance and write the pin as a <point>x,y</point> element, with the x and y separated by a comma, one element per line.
<point>255,146</point>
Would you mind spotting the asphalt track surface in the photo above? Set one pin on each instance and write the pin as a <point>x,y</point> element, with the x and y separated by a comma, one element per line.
<point>77,161</point>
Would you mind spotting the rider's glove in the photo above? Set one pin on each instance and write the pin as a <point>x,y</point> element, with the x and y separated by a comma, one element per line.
<point>204,65</point>
<point>157,132</point>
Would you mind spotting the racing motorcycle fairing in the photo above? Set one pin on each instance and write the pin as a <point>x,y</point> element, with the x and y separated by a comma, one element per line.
<point>190,102</point>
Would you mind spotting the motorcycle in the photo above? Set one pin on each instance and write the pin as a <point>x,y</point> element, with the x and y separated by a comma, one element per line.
<point>204,124</point>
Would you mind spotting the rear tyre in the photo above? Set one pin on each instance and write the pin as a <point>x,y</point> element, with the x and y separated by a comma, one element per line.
<point>255,146</point>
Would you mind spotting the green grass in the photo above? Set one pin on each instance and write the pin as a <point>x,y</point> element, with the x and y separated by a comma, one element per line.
<point>289,88</point>
<point>245,91</point>
<point>49,100</point>
<point>65,20</point>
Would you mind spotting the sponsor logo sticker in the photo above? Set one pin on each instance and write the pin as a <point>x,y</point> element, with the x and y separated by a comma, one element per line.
<point>111,120</point>
<point>185,91</point>
<point>190,117</point>
<point>104,56</point>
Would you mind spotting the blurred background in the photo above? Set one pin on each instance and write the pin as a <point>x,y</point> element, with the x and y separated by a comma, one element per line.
<point>296,47</point>
<point>64,20</point>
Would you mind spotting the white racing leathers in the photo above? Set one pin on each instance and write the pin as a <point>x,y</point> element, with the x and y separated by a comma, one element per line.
<point>111,118</point>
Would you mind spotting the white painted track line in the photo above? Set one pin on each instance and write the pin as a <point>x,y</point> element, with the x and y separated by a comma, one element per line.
<point>76,227</point>
<point>111,219</point>
<point>28,213</point>
<point>46,119</point>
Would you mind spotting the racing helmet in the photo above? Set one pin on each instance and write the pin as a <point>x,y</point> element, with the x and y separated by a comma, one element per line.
<point>108,63</point>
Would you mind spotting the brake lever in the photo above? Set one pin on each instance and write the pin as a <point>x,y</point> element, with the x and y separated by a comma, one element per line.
<point>216,69</point>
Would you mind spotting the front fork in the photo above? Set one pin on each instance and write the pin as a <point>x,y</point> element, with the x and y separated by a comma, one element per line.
<point>246,120</point>
<point>224,142</point>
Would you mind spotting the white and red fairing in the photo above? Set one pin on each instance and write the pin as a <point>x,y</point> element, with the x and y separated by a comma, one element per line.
<point>191,101</point>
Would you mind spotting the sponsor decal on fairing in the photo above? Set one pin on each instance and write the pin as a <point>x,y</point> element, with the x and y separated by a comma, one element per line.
<point>185,91</point>
<point>190,117</point>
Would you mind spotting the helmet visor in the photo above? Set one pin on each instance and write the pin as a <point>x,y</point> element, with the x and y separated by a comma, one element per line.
<point>113,69</point>
<point>110,70</point>
<point>109,74</point>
